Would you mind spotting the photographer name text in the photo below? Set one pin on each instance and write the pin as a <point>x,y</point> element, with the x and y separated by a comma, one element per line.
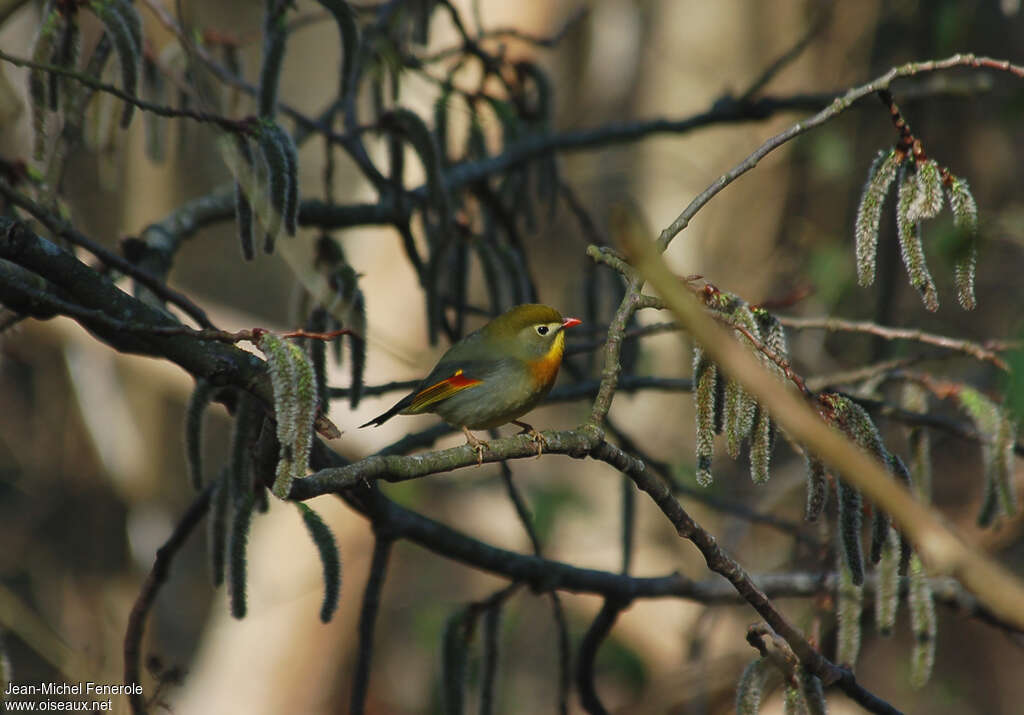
<point>87,688</point>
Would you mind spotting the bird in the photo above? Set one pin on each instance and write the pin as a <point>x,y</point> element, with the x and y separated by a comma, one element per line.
<point>494,375</point>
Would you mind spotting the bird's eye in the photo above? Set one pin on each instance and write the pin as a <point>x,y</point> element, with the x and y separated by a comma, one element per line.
<point>542,330</point>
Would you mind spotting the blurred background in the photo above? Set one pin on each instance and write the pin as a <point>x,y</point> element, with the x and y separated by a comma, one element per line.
<point>92,473</point>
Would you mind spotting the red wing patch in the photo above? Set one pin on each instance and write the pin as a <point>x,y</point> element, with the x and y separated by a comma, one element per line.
<point>440,391</point>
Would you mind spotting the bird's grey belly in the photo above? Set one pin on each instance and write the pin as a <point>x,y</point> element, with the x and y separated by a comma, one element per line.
<point>482,407</point>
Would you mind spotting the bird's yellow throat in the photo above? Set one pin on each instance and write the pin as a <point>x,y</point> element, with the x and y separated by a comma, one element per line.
<point>545,369</point>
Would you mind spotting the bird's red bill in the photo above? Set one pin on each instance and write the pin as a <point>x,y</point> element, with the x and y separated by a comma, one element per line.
<point>441,391</point>
<point>570,322</point>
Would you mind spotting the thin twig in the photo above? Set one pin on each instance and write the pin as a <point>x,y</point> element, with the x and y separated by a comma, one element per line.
<point>591,233</point>
<point>231,125</point>
<point>861,374</point>
<point>628,522</point>
<point>558,612</point>
<point>151,586</point>
<point>985,352</point>
<point>599,629</point>
<point>489,669</point>
<point>718,503</point>
<point>227,77</point>
<point>838,106</point>
<point>367,621</point>
<point>923,419</point>
<point>781,362</point>
<point>642,331</point>
<point>816,26</point>
<point>613,346</point>
<point>771,645</point>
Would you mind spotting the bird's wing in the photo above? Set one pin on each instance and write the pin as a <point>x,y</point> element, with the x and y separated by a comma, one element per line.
<point>441,390</point>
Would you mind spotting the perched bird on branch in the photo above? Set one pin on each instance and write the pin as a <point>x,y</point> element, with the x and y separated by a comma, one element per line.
<point>494,375</point>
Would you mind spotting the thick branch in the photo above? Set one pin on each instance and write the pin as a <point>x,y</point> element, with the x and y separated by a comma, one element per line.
<point>221,364</point>
<point>63,229</point>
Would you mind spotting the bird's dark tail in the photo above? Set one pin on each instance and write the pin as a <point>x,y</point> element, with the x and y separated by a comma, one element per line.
<point>381,419</point>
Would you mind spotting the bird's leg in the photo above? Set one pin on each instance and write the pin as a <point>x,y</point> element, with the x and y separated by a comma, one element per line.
<point>478,445</point>
<point>536,436</point>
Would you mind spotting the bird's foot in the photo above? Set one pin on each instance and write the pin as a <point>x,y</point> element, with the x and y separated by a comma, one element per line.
<point>536,436</point>
<point>478,444</point>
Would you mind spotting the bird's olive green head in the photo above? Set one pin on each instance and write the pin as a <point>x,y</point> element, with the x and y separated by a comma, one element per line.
<point>532,331</point>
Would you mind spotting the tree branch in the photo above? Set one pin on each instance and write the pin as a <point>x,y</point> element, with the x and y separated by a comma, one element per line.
<point>587,440</point>
<point>557,612</point>
<point>942,550</point>
<point>147,594</point>
<point>231,125</point>
<point>599,629</point>
<point>61,228</point>
<point>985,353</point>
<point>837,107</point>
<point>367,621</point>
<point>104,309</point>
<point>397,468</point>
